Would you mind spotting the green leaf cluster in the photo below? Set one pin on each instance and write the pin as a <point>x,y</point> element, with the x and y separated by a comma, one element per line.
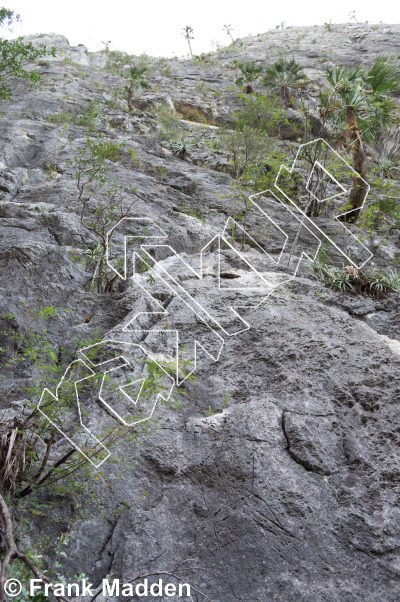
<point>16,57</point>
<point>369,91</point>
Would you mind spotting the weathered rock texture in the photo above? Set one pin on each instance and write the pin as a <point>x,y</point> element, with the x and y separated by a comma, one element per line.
<point>287,491</point>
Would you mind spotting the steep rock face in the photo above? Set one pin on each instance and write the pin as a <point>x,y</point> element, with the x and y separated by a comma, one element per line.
<point>278,479</point>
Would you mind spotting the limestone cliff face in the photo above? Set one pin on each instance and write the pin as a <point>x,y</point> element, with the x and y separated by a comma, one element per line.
<point>279,477</point>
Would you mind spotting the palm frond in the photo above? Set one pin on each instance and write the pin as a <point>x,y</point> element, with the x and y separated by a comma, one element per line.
<point>389,166</point>
<point>383,78</point>
<point>250,71</point>
<point>377,116</point>
<point>357,73</point>
<point>137,72</point>
<point>283,72</point>
<point>335,75</point>
<point>352,94</point>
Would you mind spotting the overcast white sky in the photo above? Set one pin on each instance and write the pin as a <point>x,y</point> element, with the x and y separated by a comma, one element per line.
<point>155,26</point>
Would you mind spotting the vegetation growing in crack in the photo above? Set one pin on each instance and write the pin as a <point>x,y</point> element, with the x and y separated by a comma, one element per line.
<point>87,116</point>
<point>369,282</point>
<point>169,127</point>
<point>104,205</point>
<point>179,147</point>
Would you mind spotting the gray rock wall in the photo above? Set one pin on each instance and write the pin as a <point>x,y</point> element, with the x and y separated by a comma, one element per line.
<point>287,490</point>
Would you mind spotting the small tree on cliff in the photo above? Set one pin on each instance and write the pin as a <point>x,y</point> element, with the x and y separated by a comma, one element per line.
<point>250,73</point>
<point>284,75</point>
<point>103,204</point>
<point>361,106</point>
<point>137,78</point>
<point>228,30</point>
<point>187,32</point>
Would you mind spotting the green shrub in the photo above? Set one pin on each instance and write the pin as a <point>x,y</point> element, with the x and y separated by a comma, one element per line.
<point>60,118</point>
<point>15,56</point>
<point>261,112</point>
<point>91,112</point>
<point>170,127</point>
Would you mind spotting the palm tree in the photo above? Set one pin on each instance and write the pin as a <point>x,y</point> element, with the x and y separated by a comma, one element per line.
<point>250,73</point>
<point>187,31</point>
<point>361,105</point>
<point>352,15</point>
<point>283,75</point>
<point>228,30</point>
<point>136,76</point>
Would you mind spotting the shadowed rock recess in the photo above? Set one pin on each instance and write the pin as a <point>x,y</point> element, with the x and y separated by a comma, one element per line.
<point>278,479</point>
